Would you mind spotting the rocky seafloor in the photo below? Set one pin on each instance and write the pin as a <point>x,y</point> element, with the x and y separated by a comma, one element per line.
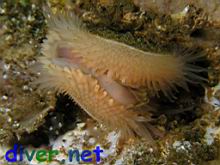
<point>47,120</point>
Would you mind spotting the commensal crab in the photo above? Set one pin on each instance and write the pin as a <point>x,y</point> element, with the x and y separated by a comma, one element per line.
<point>110,80</point>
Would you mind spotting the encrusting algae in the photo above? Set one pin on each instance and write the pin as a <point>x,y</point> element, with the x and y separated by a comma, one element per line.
<point>94,71</point>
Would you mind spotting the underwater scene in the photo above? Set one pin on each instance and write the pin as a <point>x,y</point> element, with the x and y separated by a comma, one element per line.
<point>110,82</point>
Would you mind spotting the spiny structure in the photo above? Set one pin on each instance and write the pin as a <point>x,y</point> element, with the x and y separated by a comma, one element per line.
<point>111,81</point>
